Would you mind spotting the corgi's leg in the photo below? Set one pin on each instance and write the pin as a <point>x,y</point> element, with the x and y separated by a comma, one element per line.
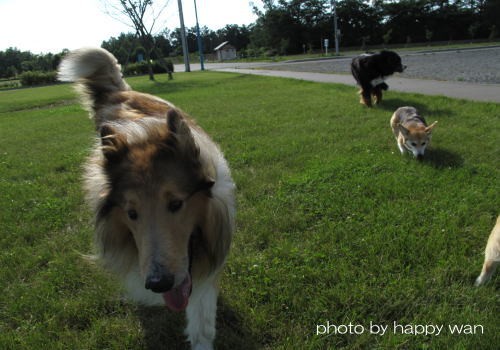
<point>201,313</point>
<point>400,146</point>
<point>489,267</point>
<point>394,125</point>
<point>401,149</point>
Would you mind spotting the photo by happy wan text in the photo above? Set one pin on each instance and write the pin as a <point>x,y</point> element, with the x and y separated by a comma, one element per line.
<point>373,328</point>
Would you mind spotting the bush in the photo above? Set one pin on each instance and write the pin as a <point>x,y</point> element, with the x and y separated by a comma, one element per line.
<point>271,53</point>
<point>140,68</point>
<point>9,84</point>
<point>32,78</point>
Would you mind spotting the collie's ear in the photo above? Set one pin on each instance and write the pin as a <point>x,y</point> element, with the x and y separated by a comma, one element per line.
<point>175,122</point>
<point>113,145</point>
<point>217,229</point>
<point>429,128</point>
<point>205,184</point>
<point>177,125</point>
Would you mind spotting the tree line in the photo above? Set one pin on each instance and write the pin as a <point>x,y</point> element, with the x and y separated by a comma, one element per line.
<point>289,26</point>
<point>295,26</point>
<point>13,62</point>
<point>129,50</point>
<point>128,47</point>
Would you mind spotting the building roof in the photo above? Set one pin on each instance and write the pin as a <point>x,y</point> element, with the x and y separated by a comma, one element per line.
<point>221,46</point>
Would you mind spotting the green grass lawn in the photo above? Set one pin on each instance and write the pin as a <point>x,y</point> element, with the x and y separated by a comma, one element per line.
<point>334,226</point>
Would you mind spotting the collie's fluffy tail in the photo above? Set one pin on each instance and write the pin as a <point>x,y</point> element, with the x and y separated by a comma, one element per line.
<point>96,72</point>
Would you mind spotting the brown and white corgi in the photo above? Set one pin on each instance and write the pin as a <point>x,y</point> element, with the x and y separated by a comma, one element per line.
<point>411,131</point>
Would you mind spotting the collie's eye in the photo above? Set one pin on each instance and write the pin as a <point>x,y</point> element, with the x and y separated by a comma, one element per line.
<point>414,144</point>
<point>174,205</point>
<point>423,143</point>
<point>132,214</point>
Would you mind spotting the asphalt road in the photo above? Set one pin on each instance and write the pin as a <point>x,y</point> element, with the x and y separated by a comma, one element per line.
<point>479,65</point>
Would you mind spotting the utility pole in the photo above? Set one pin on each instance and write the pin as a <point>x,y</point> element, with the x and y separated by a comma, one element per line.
<point>198,36</point>
<point>183,38</point>
<point>335,31</point>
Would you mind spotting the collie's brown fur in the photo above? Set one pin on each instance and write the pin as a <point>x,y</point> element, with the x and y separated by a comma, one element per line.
<point>161,191</point>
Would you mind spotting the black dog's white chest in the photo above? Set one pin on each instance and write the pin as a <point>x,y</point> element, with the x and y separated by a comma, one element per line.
<point>377,81</point>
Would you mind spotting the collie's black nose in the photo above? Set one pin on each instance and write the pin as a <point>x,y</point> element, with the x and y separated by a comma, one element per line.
<point>159,281</point>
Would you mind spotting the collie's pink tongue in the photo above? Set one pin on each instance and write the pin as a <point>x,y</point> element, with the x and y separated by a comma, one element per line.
<point>177,298</point>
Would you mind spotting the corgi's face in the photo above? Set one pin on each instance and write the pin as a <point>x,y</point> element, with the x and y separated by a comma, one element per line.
<point>416,139</point>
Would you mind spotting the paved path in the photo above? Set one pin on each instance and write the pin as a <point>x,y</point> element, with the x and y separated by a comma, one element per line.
<point>468,91</point>
<point>428,72</point>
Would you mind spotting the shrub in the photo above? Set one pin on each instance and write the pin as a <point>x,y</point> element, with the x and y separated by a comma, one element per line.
<point>9,84</point>
<point>271,53</point>
<point>140,68</point>
<point>32,78</point>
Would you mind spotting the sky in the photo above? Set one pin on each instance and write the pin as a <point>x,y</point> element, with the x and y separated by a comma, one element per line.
<point>43,26</point>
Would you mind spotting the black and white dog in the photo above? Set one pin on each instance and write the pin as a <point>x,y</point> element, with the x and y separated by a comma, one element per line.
<point>370,71</point>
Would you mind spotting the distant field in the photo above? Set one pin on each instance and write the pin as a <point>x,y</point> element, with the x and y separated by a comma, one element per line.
<point>334,228</point>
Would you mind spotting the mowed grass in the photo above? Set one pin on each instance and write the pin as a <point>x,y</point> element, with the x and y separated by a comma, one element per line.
<point>334,226</point>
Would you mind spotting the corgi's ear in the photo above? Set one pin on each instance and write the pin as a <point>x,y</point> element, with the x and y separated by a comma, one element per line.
<point>113,145</point>
<point>404,130</point>
<point>429,128</point>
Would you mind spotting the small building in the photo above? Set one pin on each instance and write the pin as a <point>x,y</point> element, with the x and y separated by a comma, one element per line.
<point>225,51</point>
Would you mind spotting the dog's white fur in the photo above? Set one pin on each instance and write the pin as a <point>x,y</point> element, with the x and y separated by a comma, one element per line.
<point>491,255</point>
<point>129,119</point>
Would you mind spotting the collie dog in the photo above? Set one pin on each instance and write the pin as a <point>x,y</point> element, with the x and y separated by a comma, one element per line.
<point>161,191</point>
<point>491,255</point>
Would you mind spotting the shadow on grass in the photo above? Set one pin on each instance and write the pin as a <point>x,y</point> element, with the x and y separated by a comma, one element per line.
<point>164,329</point>
<point>391,104</point>
<point>441,158</point>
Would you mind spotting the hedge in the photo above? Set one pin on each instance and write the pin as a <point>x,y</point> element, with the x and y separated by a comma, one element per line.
<point>32,78</point>
<point>140,68</point>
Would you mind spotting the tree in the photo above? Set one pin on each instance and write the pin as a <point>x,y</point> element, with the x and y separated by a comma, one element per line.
<point>141,15</point>
<point>357,21</point>
<point>491,18</point>
<point>285,26</point>
<point>238,36</point>
<point>14,62</point>
<point>122,47</point>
